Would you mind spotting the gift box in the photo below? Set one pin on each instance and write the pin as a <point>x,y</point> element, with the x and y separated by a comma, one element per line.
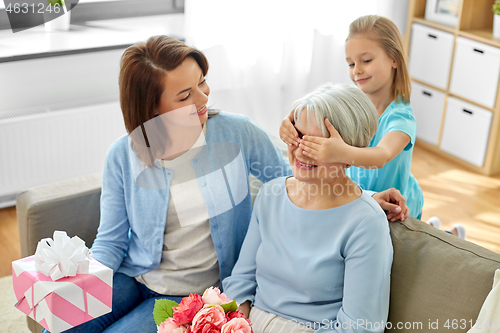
<point>57,301</point>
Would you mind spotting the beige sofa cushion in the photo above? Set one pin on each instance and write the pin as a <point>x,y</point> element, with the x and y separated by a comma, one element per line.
<point>437,276</point>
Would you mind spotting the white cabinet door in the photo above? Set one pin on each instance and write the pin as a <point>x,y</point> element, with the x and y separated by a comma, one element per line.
<point>475,71</point>
<point>427,106</point>
<point>466,131</point>
<point>430,55</point>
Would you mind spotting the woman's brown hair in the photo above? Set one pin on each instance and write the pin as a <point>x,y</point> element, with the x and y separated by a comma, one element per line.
<point>142,71</point>
<point>386,33</point>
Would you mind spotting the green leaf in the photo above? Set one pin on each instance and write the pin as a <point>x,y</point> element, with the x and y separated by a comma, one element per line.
<point>496,7</point>
<point>54,2</point>
<point>163,310</point>
<point>228,307</point>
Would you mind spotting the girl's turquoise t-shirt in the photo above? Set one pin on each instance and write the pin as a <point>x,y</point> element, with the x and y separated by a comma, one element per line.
<point>397,117</point>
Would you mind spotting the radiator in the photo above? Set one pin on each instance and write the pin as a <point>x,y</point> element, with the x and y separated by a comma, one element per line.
<point>47,144</point>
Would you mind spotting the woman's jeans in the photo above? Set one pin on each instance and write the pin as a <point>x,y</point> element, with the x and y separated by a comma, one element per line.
<point>133,305</point>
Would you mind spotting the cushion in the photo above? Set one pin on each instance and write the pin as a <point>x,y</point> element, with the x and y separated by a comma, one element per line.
<point>70,205</point>
<point>437,278</point>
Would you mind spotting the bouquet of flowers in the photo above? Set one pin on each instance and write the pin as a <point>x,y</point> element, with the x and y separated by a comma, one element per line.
<point>211,313</point>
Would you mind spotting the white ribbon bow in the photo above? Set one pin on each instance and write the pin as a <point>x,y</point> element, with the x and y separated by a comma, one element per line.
<point>62,256</point>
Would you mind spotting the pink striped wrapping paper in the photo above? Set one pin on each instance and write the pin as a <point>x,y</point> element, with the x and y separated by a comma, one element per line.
<point>65,303</point>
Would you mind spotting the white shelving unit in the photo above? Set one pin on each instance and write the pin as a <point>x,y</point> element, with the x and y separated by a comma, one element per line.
<point>455,73</point>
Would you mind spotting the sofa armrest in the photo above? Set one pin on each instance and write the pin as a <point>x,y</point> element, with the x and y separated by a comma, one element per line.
<point>70,205</point>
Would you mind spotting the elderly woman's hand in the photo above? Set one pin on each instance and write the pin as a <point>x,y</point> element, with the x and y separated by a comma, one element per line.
<point>393,203</point>
<point>245,309</point>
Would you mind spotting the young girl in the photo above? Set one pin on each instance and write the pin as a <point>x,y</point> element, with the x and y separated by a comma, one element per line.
<point>377,65</point>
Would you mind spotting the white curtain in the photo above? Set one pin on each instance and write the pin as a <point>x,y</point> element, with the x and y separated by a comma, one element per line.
<point>263,55</point>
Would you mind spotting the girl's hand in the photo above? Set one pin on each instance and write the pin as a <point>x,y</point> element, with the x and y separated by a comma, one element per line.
<point>288,133</point>
<point>393,203</point>
<point>325,150</point>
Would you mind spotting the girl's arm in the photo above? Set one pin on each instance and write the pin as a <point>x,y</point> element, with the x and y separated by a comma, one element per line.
<point>335,150</point>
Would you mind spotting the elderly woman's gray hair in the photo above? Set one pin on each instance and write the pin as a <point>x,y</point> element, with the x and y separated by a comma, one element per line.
<point>347,108</point>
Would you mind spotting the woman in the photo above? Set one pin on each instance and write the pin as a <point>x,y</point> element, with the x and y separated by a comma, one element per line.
<point>175,201</point>
<point>318,254</point>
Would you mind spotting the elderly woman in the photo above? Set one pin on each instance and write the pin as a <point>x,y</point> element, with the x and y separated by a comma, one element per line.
<point>318,254</point>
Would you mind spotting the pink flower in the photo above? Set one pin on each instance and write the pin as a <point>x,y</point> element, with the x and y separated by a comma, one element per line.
<point>214,296</point>
<point>237,325</point>
<point>187,309</point>
<point>209,319</point>
<point>171,326</point>
<point>207,328</point>
<point>234,314</point>
<point>237,314</point>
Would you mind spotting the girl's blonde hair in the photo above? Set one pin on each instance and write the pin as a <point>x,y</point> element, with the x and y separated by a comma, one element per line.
<point>386,33</point>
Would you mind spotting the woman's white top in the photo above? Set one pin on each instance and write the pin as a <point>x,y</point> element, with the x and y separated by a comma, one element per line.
<point>188,261</point>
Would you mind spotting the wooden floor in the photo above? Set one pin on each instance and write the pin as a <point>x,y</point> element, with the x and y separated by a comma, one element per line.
<point>451,192</point>
<point>456,195</point>
<point>9,240</point>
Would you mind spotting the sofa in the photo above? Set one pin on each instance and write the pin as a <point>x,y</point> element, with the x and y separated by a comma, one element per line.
<point>438,283</point>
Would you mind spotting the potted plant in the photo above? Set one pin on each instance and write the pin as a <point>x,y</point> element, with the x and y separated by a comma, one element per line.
<point>496,19</point>
<point>56,16</point>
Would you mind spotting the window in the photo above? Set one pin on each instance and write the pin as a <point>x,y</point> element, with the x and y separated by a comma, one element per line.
<point>92,10</point>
